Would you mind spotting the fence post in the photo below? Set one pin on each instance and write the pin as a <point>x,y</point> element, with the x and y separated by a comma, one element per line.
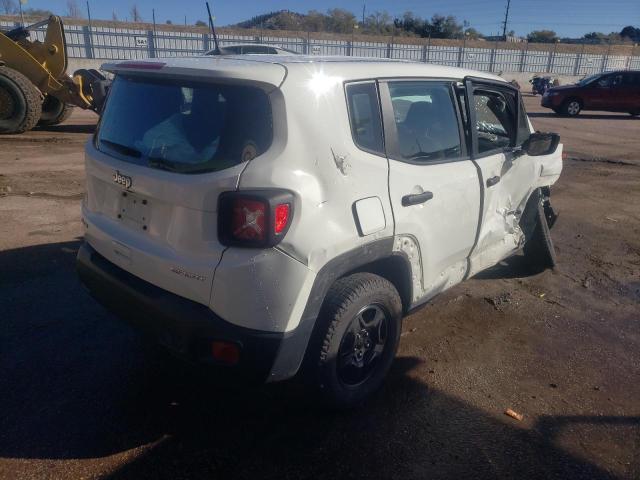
<point>389,48</point>
<point>460,53</point>
<point>151,45</point>
<point>205,42</point>
<point>605,59</point>
<point>550,62</point>
<point>492,58</point>
<point>86,34</point>
<point>349,48</point>
<point>576,70</point>
<point>428,49</point>
<point>523,56</point>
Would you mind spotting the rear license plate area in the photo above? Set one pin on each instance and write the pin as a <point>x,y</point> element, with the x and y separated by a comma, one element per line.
<point>134,209</point>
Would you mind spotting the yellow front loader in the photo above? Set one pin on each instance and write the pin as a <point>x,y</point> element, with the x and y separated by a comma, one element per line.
<point>34,86</point>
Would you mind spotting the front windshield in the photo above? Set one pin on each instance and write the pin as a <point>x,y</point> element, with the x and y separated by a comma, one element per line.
<point>184,126</point>
<point>589,79</point>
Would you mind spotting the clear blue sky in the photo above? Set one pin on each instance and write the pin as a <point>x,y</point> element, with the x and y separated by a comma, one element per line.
<point>566,17</point>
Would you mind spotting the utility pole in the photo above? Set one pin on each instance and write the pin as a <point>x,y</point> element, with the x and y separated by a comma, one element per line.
<point>364,7</point>
<point>506,19</point>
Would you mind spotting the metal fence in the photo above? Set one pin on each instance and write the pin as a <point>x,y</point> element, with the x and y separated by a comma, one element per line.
<point>97,42</point>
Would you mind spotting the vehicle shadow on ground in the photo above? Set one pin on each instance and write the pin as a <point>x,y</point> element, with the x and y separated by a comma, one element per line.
<point>515,266</point>
<point>77,384</point>
<point>583,116</point>
<point>68,128</point>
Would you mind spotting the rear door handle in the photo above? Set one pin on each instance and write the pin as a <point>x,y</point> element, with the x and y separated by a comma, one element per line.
<point>492,181</point>
<point>416,198</point>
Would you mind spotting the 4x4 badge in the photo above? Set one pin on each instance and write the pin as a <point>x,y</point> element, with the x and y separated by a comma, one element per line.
<point>122,180</point>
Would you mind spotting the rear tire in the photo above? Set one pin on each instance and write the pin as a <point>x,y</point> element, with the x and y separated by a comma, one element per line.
<point>571,107</point>
<point>539,250</point>
<point>54,111</point>
<point>357,339</point>
<point>20,102</point>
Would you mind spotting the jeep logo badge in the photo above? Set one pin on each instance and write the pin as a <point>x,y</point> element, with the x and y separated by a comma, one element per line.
<point>122,180</point>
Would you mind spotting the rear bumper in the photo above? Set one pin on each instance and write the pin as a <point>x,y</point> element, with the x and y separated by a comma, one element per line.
<point>183,326</point>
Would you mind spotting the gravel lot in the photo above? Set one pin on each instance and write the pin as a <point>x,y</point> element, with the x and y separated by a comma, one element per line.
<point>81,396</point>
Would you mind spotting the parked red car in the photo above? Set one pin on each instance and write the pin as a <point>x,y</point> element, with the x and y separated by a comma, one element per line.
<point>611,91</point>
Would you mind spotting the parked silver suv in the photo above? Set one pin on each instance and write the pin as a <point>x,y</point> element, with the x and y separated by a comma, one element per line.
<point>275,215</point>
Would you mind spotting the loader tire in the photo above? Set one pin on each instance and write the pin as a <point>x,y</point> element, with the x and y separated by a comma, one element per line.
<point>20,102</point>
<point>54,111</point>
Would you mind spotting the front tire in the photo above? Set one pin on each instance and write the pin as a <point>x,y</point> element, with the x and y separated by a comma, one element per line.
<point>54,111</point>
<point>20,102</point>
<point>357,339</point>
<point>572,107</point>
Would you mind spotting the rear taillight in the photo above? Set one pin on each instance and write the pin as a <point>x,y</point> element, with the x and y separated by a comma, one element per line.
<point>256,218</point>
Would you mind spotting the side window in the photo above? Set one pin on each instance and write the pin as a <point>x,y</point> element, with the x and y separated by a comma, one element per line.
<point>604,81</point>
<point>495,120</point>
<point>631,79</point>
<point>364,116</point>
<point>251,49</point>
<point>616,80</point>
<point>426,121</point>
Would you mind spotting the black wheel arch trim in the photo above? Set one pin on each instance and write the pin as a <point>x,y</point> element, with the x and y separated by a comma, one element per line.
<point>292,351</point>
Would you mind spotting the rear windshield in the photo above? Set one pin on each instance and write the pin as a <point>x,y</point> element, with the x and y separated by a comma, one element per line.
<point>184,127</point>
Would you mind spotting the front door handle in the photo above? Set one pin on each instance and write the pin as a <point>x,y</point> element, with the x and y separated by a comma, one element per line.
<point>416,198</point>
<point>492,181</point>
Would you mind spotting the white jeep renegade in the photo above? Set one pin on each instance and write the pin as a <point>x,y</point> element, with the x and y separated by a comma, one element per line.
<point>276,214</point>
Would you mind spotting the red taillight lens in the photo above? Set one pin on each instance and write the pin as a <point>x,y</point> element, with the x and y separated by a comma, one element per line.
<point>254,218</point>
<point>248,220</point>
<point>281,218</point>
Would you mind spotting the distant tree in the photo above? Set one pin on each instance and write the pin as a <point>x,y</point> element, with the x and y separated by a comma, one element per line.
<point>410,24</point>
<point>114,17</point>
<point>73,9</point>
<point>169,22</point>
<point>200,23</point>
<point>284,20</point>
<point>9,6</point>
<point>135,14</point>
<point>379,23</point>
<point>444,27</point>
<point>632,33</point>
<point>472,34</point>
<point>37,12</point>
<point>340,20</point>
<point>542,36</point>
<point>314,21</point>
<point>601,38</point>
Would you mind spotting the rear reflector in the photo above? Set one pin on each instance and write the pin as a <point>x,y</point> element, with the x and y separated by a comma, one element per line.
<point>225,352</point>
<point>281,218</point>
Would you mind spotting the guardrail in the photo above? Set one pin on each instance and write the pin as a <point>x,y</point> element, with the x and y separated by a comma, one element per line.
<point>98,42</point>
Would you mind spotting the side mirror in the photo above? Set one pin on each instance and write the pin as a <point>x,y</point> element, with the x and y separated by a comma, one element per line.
<point>541,144</point>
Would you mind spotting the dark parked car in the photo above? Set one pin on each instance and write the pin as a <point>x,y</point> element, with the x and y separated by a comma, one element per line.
<point>611,91</point>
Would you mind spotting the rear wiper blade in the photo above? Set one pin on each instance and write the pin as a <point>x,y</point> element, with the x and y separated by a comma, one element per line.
<point>124,149</point>
<point>161,163</point>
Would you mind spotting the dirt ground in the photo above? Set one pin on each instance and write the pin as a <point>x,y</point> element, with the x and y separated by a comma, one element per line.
<point>81,396</point>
